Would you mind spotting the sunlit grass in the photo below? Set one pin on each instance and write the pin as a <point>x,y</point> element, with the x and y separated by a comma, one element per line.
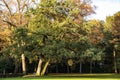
<point>69,77</point>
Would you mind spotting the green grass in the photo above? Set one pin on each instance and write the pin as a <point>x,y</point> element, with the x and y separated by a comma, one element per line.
<point>69,77</point>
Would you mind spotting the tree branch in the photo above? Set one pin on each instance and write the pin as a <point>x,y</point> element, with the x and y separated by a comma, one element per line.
<point>10,23</point>
<point>7,7</point>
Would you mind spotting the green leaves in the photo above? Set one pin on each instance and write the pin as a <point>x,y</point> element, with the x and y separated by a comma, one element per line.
<point>53,31</point>
<point>93,54</point>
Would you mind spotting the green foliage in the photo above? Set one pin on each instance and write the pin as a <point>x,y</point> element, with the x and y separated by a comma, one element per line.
<point>57,31</point>
<point>6,64</point>
<point>93,54</point>
<point>59,35</point>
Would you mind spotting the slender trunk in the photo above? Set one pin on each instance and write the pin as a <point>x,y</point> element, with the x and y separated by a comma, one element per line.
<point>90,66</point>
<point>115,64</point>
<point>45,67</point>
<point>80,69</point>
<point>56,68</point>
<point>16,68</point>
<point>68,70</point>
<point>23,64</point>
<point>39,67</point>
<point>4,71</point>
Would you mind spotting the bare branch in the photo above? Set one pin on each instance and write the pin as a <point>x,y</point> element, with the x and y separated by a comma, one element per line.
<point>18,2</point>
<point>7,7</point>
<point>10,23</point>
<point>24,5</point>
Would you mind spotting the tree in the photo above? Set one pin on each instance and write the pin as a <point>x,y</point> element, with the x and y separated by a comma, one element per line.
<point>57,24</point>
<point>13,11</point>
<point>13,15</point>
<point>92,55</point>
<point>94,29</point>
<point>114,39</point>
<point>47,30</point>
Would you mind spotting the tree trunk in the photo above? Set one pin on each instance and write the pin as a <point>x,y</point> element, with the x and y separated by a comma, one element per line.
<point>16,68</point>
<point>68,70</point>
<point>39,67</point>
<point>90,66</point>
<point>115,64</point>
<point>4,71</point>
<point>45,67</point>
<point>23,64</point>
<point>56,68</point>
<point>80,69</point>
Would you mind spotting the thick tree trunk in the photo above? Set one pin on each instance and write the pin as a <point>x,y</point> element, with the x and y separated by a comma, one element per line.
<point>39,67</point>
<point>80,70</point>
<point>115,64</point>
<point>45,67</point>
<point>90,66</point>
<point>23,64</point>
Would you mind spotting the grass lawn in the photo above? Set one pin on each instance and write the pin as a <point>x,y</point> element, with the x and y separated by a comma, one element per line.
<point>70,77</point>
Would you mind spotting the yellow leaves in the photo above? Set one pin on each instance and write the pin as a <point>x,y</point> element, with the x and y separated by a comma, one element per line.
<point>5,33</point>
<point>95,30</point>
<point>33,0</point>
<point>70,62</point>
<point>62,23</point>
<point>29,34</point>
<point>117,14</point>
<point>95,23</point>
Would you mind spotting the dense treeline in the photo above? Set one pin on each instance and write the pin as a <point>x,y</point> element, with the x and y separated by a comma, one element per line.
<point>53,36</point>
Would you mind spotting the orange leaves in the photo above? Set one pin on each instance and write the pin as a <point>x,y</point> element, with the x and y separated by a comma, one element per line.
<point>5,33</point>
<point>97,33</point>
<point>84,7</point>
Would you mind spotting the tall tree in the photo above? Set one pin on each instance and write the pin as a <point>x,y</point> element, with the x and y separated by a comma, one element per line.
<point>116,37</point>
<point>95,29</point>
<point>59,24</point>
<point>114,29</point>
<point>13,14</point>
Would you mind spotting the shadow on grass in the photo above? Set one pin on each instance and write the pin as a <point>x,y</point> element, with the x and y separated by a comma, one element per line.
<point>78,76</point>
<point>98,76</point>
<point>67,77</point>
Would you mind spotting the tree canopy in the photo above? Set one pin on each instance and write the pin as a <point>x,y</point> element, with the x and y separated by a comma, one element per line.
<point>53,33</point>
